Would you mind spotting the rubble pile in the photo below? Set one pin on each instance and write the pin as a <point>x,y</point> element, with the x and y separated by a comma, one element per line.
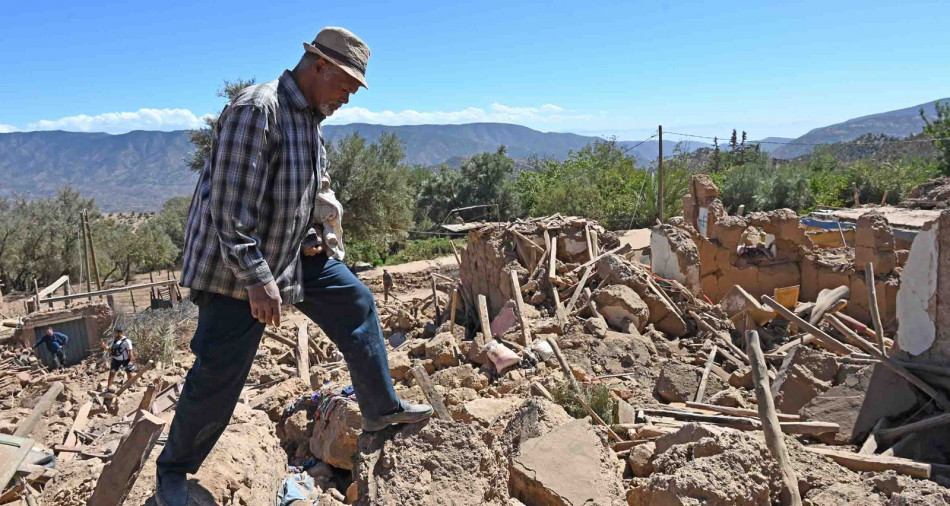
<point>737,360</point>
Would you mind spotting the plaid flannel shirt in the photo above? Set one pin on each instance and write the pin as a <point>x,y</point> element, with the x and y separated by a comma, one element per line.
<point>254,200</point>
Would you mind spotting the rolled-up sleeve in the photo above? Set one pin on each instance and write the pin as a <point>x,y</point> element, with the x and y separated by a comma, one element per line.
<point>238,184</point>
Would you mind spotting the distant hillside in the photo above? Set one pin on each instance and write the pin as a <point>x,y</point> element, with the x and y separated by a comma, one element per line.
<point>139,170</point>
<point>770,144</point>
<point>879,148</point>
<point>899,123</point>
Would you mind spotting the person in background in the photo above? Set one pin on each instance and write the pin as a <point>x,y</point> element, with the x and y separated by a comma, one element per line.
<point>55,342</point>
<point>122,354</point>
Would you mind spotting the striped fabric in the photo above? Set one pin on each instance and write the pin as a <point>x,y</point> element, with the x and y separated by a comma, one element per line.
<point>253,203</point>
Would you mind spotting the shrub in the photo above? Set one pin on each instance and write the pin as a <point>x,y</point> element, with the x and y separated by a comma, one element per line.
<point>597,396</point>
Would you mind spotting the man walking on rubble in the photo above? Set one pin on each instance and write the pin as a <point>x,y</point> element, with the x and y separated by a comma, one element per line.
<point>249,215</point>
<point>55,342</point>
<point>122,355</point>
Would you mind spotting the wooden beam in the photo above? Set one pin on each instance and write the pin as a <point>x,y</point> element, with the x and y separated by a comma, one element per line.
<point>79,423</point>
<point>109,291</point>
<point>52,287</point>
<point>29,423</point>
<point>303,352</point>
<point>435,400</point>
<point>811,428</point>
<point>435,301</point>
<point>280,339</point>
<point>563,363</point>
<point>872,303</point>
<point>926,423</point>
<point>119,475</point>
<point>519,302</point>
<point>771,426</point>
<point>710,360</point>
<point>12,452</point>
<point>740,411</point>
<point>742,423</point>
<point>597,418</point>
<point>861,463</point>
<point>618,249</point>
<point>135,377</point>
<point>454,303</point>
<point>824,340</point>
<point>911,378</point>
<point>578,289</point>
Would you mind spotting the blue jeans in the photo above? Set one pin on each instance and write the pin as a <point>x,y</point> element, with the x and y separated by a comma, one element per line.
<point>226,341</point>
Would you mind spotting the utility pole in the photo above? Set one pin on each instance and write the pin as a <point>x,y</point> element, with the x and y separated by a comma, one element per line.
<point>85,252</point>
<point>92,250</point>
<point>659,199</point>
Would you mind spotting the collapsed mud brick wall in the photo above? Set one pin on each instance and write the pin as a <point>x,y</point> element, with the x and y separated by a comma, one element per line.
<point>493,251</point>
<point>768,250</point>
<point>923,299</point>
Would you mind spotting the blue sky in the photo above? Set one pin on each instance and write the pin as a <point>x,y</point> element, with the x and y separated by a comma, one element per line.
<point>771,68</point>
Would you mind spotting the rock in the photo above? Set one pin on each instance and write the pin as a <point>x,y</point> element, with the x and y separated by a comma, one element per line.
<point>334,439</point>
<point>294,432</point>
<point>538,474</point>
<point>641,459</point>
<point>437,462</point>
<point>855,403</point>
<point>506,319</point>
<point>486,411</point>
<point>674,255</point>
<point>625,412</point>
<point>620,305</point>
<point>874,242</point>
<point>614,269</point>
<point>459,396</point>
<point>439,350</point>
<point>678,382</point>
<point>729,397</point>
<point>741,378</point>
<point>804,374</point>
<point>399,365</point>
<point>277,400</point>
<point>596,326</point>
<point>460,376</point>
<point>689,433</point>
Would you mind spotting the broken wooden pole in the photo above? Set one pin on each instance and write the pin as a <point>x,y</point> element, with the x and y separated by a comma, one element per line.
<point>726,410</point>
<point>303,352</point>
<point>279,338</point>
<point>29,423</point>
<point>911,378</point>
<point>872,303</point>
<point>578,289</point>
<point>710,360</point>
<point>926,423</point>
<point>597,418</point>
<point>119,475</point>
<point>455,296</point>
<point>771,426</point>
<point>827,342</point>
<point>435,301</point>
<point>435,400</point>
<point>92,251</point>
<point>455,251</point>
<point>519,302</point>
<point>563,364</point>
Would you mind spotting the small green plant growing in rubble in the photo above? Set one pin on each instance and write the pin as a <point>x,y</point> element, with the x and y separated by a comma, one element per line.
<point>596,396</point>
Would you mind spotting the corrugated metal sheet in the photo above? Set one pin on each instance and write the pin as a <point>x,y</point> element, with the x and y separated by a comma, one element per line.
<point>76,349</point>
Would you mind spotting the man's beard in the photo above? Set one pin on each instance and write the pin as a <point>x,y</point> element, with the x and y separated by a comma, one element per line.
<point>325,109</point>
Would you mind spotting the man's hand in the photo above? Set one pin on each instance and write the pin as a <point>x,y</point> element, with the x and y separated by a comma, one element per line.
<point>311,250</point>
<point>265,303</point>
<point>312,244</point>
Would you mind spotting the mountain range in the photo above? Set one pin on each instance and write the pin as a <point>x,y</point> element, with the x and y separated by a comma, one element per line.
<point>139,170</point>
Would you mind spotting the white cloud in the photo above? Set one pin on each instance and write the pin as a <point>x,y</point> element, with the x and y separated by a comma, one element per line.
<point>547,115</point>
<point>5,129</point>
<point>121,122</point>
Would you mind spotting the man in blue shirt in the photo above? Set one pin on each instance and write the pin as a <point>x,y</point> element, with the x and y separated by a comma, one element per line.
<point>55,342</point>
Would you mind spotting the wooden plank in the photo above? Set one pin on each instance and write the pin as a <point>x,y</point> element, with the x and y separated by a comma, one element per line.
<point>872,303</point>
<point>13,450</point>
<point>741,412</point>
<point>455,296</point>
<point>519,302</point>
<point>710,360</point>
<point>552,258</point>
<point>52,288</point>
<point>771,426</point>
<point>934,394</point>
<point>167,398</point>
<point>120,473</point>
<point>824,340</point>
<point>303,352</point>
<point>435,301</point>
<point>435,400</point>
<point>135,377</point>
<point>926,423</point>
<point>590,243</point>
<point>280,339</point>
<point>79,423</point>
<point>862,463</point>
<point>618,249</point>
<point>870,444</point>
<point>29,423</point>
<point>578,289</point>
<point>563,363</point>
<point>480,341</point>
<point>811,428</point>
<point>742,423</point>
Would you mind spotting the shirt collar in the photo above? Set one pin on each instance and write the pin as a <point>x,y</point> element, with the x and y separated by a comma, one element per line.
<point>289,88</point>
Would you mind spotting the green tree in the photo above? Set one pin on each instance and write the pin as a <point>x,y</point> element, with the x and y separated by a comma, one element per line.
<point>372,184</point>
<point>938,129</point>
<point>172,220</point>
<point>201,137</point>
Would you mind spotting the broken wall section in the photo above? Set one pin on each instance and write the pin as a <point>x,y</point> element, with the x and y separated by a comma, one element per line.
<point>923,299</point>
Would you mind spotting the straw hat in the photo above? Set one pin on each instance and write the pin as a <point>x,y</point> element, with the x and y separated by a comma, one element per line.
<point>342,48</point>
